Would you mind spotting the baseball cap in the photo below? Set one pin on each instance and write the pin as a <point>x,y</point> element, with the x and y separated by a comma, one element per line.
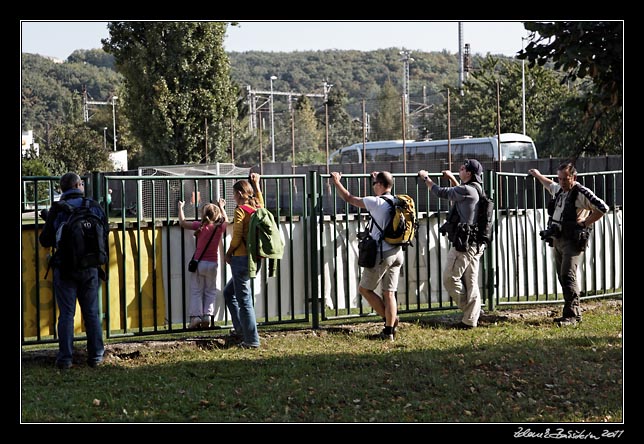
<point>474,167</point>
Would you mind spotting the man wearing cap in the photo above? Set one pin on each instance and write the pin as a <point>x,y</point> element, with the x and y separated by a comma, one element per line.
<point>460,276</point>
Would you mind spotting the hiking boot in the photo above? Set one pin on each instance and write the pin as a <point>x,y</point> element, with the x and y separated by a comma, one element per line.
<point>385,337</point>
<point>95,363</point>
<point>195,322</point>
<point>462,326</point>
<point>63,365</point>
<point>563,322</point>
<point>396,322</point>
<point>205,321</point>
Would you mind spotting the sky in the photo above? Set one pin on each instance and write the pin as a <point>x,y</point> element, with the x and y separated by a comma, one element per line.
<point>60,39</point>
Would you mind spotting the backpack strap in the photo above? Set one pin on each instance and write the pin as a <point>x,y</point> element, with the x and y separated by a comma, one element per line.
<point>248,209</point>
<point>481,192</point>
<point>477,186</point>
<point>389,199</point>
<point>382,231</point>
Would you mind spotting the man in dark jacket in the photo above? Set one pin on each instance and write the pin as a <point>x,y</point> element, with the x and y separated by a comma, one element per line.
<point>461,273</point>
<point>575,209</point>
<point>75,284</point>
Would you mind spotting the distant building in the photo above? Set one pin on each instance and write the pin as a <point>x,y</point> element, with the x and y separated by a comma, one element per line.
<point>29,147</point>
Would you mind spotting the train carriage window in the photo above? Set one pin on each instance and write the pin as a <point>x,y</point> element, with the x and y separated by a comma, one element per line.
<point>424,153</point>
<point>350,156</point>
<point>517,150</point>
<point>388,155</point>
<point>482,151</point>
<point>457,152</point>
<point>441,153</point>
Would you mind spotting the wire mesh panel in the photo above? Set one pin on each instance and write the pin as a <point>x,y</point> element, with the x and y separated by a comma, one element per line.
<point>195,192</point>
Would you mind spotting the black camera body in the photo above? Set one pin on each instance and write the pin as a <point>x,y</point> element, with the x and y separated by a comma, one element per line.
<point>552,232</point>
<point>446,228</point>
<point>363,234</point>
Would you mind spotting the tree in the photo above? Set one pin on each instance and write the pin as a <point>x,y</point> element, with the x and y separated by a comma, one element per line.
<point>387,124</point>
<point>75,148</point>
<point>341,130</point>
<point>308,136</point>
<point>586,50</point>
<point>177,85</point>
<point>475,113</point>
<point>96,57</point>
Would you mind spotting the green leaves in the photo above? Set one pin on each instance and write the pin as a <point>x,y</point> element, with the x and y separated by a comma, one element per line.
<point>178,87</point>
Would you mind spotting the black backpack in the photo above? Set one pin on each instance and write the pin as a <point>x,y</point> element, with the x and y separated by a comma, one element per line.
<point>81,241</point>
<point>484,223</point>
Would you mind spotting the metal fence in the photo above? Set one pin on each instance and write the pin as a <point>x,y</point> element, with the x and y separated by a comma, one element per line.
<point>147,290</point>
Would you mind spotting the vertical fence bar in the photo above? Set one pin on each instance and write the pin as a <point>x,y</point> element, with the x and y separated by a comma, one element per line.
<point>313,239</point>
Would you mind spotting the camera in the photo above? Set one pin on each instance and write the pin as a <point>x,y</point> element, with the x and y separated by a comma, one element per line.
<point>581,237</point>
<point>553,231</point>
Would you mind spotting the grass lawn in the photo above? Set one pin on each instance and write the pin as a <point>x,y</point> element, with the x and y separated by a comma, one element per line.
<point>517,367</point>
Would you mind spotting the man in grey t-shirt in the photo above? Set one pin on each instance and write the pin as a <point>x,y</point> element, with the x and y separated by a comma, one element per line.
<point>387,269</point>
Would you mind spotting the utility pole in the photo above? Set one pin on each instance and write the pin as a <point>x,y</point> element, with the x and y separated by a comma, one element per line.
<point>86,115</point>
<point>252,101</point>
<point>114,118</point>
<point>327,88</point>
<point>272,122</point>
<point>406,59</point>
<point>523,86</point>
<point>461,67</point>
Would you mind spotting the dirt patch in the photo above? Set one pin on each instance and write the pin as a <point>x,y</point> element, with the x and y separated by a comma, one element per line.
<point>129,350</point>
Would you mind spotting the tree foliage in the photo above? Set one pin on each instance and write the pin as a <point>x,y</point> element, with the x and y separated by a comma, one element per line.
<point>342,131</point>
<point>475,112</point>
<point>95,57</point>
<point>178,89</point>
<point>586,50</point>
<point>180,85</point>
<point>386,123</point>
<point>52,93</point>
<point>308,136</point>
<point>77,148</point>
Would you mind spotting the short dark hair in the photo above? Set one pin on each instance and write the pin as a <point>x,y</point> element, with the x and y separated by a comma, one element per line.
<point>69,181</point>
<point>385,179</point>
<point>569,167</point>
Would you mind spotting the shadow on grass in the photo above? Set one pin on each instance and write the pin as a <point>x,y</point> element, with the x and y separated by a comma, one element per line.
<point>337,375</point>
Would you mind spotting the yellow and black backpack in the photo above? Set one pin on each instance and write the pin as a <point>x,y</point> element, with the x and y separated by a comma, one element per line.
<point>403,224</point>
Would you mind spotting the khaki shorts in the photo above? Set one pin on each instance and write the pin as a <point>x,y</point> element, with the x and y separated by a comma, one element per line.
<point>385,273</point>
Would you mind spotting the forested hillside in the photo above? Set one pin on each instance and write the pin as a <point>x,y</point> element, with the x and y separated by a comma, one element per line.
<point>52,92</point>
<point>361,75</point>
<point>49,88</point>
<point>364,91</point>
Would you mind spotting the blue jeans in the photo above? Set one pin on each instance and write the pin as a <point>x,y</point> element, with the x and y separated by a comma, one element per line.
<point>239,300</point>
<point>81,285</point>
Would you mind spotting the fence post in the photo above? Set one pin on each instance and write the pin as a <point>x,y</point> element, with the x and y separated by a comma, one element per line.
<point>96,186</point>
<point>489,255</point>
<point>313,239</point>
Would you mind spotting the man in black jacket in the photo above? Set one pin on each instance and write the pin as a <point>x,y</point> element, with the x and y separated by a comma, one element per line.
<point>576,208</point>
<point>74,284</point>
<point>461,273</point>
